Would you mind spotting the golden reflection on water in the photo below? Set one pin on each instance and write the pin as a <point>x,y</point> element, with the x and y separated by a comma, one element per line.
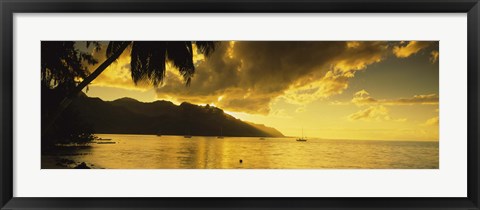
<point>177,152</point>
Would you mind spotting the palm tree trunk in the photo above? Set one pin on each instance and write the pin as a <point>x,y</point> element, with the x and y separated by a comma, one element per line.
<point>69,98</point>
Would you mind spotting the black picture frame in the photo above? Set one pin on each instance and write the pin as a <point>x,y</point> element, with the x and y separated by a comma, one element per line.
<point>9,7</point>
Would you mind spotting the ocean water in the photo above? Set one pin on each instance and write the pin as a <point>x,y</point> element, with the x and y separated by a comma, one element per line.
<point>177,152</point>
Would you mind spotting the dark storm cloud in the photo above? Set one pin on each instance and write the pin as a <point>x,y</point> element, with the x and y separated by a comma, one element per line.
<point>248,75</point>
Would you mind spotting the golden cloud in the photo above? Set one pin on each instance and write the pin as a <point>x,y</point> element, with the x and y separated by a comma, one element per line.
<point>434,56</point>
<point>327,86</point>
<point>431,122</point>
<point>374,113</point>
<point>353,44</point>
<point>249,75</point>
<point>411,48</point>
<point>377,113</point>
<point>362,97</point>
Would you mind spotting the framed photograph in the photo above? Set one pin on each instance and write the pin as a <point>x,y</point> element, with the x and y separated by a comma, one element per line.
<point>239,105</point>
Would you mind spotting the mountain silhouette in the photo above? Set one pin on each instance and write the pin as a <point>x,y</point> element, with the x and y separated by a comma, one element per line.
<point>129,116</point>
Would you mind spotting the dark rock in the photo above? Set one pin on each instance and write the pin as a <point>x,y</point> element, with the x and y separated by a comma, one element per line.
<point>66,161</point>
<point>82,165</point>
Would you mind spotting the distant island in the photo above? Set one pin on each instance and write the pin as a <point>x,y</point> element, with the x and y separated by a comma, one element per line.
<point>129,116</point>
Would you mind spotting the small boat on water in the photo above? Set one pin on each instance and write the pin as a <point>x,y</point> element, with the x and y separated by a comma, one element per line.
<point>101,139</point>
<point>106,142</point>
<point>221,134</point>
<point>187,134</point>
<point>302,138</point>
<point>261,138</point>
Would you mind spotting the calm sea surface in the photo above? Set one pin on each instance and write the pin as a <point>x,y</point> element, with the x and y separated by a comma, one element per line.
<point>177,152</point>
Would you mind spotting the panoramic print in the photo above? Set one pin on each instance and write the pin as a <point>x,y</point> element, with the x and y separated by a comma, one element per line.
<point>239,104</point>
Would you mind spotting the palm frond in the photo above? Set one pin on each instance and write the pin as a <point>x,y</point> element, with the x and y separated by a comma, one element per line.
<point>139,61</point>
<point>157,68</point>
<point>181,55</point>
<point>149,58</point>
<point>113,46</point>
<point>148,61</point>
<point>206,47</point>
<point>61,64</point>
<point>97,46</point>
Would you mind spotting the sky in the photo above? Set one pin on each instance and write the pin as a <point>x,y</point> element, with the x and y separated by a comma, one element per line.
<point>372,90</point>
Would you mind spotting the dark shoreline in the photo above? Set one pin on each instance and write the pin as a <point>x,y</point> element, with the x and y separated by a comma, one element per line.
<point>55,162</point>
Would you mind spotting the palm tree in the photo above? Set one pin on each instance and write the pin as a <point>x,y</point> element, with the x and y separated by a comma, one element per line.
<point>61,63</point>
<point>148,61</point>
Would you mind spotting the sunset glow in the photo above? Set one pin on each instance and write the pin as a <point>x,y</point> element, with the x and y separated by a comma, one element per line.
<point>332,90</point>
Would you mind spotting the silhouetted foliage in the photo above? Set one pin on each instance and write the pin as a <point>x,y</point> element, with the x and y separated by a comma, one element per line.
<point>69,127</point>
<point>149,58</point>
<point>61,67</point>
<point>61,64</point>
